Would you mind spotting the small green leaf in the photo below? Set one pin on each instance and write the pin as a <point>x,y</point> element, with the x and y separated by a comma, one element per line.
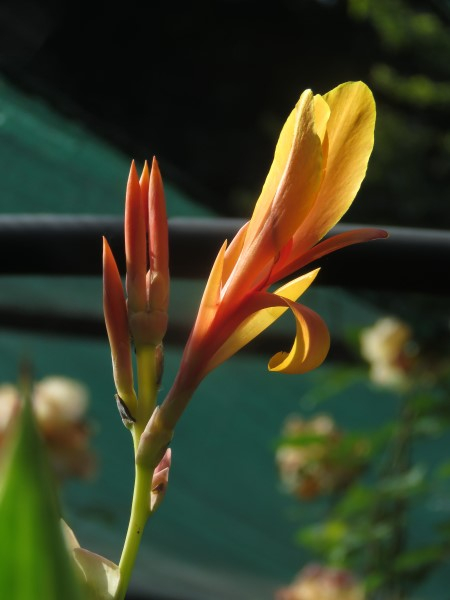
<point>405,485</point>
<point>419,558</point>
<point>323,536</point>
<point>359,500</point>
<point>34,559</point>
<point>443,470</point>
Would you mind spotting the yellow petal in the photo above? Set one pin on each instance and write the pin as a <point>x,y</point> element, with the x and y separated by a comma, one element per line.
<point>350,133</point>
<point>321,116</point>
<point>294,176</point>
<point>260,320</point>
<point>287,196</point>
<point>311,344</point>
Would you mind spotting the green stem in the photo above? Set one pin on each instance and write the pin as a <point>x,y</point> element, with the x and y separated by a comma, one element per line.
<point>140,507</point>
<point>138,518</point>
<point>147,387</point>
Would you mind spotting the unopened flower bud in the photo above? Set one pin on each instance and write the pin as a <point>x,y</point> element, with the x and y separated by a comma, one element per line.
<point>160,481</point>
<point>116,320</point>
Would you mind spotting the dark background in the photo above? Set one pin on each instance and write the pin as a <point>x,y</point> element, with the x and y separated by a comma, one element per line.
<point>206,87</point>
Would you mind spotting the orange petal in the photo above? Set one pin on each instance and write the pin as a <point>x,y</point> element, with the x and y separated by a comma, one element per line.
<point>135,244</point>
<point>211,296</point>
<point>233,251</point>
<point>325,247</point>
<point>144,184</point>
<point>311,344</point>
<point>158,242</point>
<point>350,133</point>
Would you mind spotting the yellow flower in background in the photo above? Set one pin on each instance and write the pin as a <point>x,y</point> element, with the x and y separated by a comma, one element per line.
<point>320,161</point>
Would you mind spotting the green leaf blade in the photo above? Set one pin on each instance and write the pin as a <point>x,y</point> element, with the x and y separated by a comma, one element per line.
<point>34,560</point>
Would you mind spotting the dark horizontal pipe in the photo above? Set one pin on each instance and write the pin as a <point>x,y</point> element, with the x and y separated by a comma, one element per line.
<point>410,260</point>
<point>93,326</point>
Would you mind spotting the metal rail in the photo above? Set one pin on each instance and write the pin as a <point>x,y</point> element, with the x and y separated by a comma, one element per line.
<point>410,260</point>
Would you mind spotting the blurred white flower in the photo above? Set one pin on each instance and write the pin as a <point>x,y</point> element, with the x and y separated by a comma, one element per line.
<point>389,348</point>
<point>308,459</point>
<point>9,403</point>
<point>59,401</point>
<point>60,405</point>
<point>316,582</point>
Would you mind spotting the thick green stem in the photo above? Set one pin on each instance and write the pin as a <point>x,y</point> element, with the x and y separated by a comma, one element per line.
<point>140,508</point>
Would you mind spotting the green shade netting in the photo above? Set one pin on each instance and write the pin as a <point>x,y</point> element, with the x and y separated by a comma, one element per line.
<point>225,531</point>
<point>53,165</point>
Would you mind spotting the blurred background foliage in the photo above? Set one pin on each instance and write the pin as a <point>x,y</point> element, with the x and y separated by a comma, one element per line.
<point>382,492</point>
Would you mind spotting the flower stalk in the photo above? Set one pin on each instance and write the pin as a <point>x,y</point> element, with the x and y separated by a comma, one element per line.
<point>139,320</point>
<point>319,164</point>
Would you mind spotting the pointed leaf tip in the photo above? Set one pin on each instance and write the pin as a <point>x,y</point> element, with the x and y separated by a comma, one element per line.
<point>35,562</point>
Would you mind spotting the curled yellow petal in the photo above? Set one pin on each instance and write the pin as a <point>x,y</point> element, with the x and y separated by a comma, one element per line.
<point>311,344</point>
<point>263,318</point>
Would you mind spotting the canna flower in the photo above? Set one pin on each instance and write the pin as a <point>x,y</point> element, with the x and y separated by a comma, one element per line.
<point>142,316</point>
<point>320,161</point>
